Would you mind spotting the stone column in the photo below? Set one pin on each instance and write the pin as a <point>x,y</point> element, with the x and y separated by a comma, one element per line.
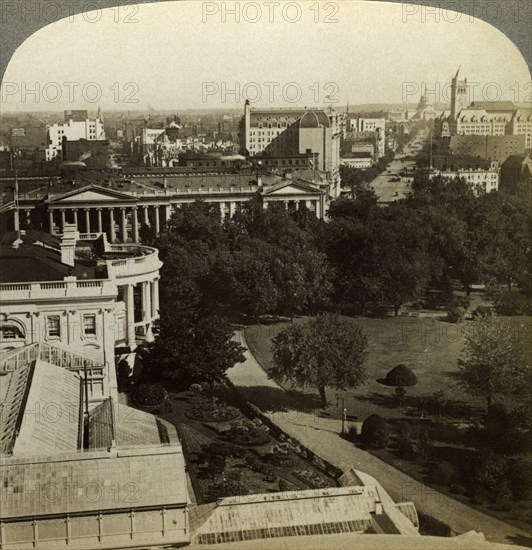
<point>88,220</point>
<point>146,216</point>
<point>135,224</point>
<point>146,303</point>
<point>168,214</point>
<point>130,314</point>
<point>155,301</point>
<point>16,219</point>
<point>319,212</point>
<point>100,224</point>
<point>63,221</point>
<point>76,218</point>
<point>222,211</point>
<point>123,224</point>
<point>232,208</point>
<point>157,221</point>
<point>51,221</point>
<point>111,226</point>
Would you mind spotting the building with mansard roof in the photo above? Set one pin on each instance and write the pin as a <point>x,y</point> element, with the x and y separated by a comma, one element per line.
<point>501,120</point>
<point>291,132</point>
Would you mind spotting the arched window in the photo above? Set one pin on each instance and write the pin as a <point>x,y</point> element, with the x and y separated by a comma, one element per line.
<point>11,330</point>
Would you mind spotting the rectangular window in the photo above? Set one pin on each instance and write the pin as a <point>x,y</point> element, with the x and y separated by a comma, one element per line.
<point>89,325</point>
<point>54,325</point>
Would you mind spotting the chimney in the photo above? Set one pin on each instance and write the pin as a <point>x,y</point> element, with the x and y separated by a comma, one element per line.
<point>68,244</point>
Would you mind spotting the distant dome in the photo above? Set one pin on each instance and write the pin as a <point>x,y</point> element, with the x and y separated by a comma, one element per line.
<point>313,119</point>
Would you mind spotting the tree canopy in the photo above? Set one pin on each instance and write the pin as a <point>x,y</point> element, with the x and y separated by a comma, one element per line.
<point>328,350</point>
<point>492,363</point>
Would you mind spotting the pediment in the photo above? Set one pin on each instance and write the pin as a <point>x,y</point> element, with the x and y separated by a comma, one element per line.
<point>92,194</point>
<point>291,188</point>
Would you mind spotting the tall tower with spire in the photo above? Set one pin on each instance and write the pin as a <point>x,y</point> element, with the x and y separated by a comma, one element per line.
<point>459,95</point>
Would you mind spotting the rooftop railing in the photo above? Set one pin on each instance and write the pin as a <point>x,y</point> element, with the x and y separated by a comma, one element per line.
<point>56,289</point>
<point>148,260</point>
<point>49,353</point>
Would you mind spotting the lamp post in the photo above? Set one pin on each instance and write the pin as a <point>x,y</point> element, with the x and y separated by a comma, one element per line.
<point>344,411</point>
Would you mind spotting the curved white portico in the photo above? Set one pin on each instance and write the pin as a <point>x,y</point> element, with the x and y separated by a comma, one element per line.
<point>135,270</point>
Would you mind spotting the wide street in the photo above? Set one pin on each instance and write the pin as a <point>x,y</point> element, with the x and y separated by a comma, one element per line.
<point>321,435</point>
<point>390,185</point>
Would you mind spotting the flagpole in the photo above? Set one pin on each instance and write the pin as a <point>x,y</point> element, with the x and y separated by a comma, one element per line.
<point>18,240</point>
<point>17,220</point>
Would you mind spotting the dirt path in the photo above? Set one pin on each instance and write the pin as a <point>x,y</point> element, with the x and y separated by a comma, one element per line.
<point>322,437</point>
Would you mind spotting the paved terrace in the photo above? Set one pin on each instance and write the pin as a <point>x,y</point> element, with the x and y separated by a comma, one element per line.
<point>321,436</point>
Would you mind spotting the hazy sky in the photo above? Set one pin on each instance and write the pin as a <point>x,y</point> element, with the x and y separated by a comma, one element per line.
<point>178,55</point>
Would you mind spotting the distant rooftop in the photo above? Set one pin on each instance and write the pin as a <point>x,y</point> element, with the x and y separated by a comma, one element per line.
<point>88,481</point>
<point>32,388</point>
<point>38,258</point>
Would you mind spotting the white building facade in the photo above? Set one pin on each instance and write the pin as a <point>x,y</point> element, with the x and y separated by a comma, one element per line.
<point>481,180</point>
<point>73,130</point>
<point>80,321</point>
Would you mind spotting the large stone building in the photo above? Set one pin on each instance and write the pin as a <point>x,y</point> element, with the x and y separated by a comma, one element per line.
<point>291,132</point>
<point>77,296</point>
<point>360,128</point>
<point>77,126</point>
<point>466,121</point>
<point>120,206</point>
<point>481,175</point>
<point>497,148</point>
<point>516,174</point>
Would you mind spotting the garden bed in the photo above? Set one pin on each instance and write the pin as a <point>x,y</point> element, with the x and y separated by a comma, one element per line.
<point>241,456</point>
<point>211,415</point>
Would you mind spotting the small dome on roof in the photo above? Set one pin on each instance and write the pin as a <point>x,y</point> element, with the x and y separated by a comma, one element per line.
<point>313,119</point>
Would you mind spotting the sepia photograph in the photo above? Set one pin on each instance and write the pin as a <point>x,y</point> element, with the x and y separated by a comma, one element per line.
<point>265,274</point>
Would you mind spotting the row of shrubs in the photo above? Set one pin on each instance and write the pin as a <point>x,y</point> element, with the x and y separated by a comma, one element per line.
<point>487,476</point>
<point>504,303</point>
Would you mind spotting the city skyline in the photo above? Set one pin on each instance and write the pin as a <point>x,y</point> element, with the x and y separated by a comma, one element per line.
<point>148,67</point>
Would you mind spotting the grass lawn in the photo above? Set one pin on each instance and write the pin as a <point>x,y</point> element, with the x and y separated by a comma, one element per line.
<point>430,347</point>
